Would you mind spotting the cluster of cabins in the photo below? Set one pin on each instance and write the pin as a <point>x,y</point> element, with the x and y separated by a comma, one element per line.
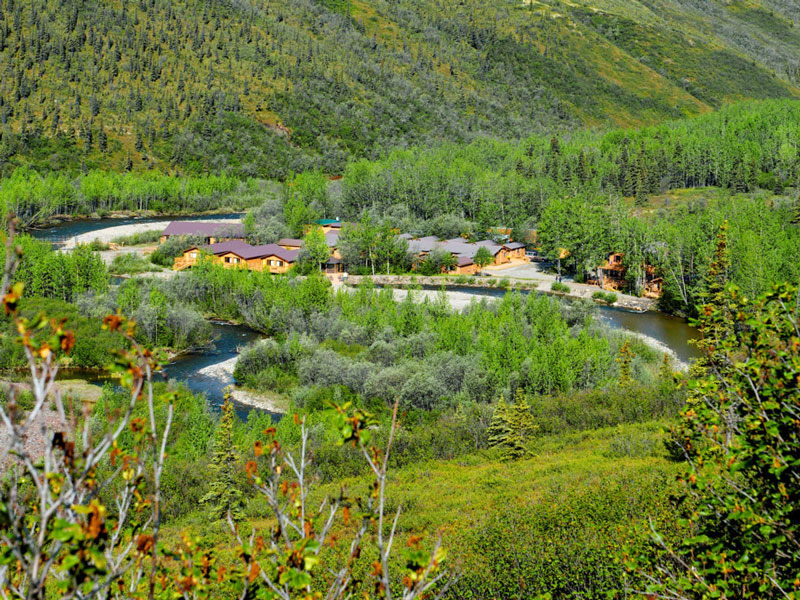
<point>226,243</point>
<point>463,251</point>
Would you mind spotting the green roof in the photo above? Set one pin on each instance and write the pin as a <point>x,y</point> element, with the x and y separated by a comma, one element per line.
<point>327,221</point>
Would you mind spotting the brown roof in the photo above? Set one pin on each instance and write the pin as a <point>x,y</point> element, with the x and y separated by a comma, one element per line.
<point>290,242</point>
<point>514,245</point>
<point>332,237</point>
<point>248,252</point>
<point>203,228</point>
<point>464,261</point>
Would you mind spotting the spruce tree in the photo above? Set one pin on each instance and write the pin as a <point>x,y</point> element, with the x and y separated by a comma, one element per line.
<point>717,275</point>
<point>510,427</point>
<point>102,140</point>
<point>713,299</point>
<point>520,417</point>
<point>666,378</point>
<point>583,171</point>
<point>641,188</point>
<point>224,496</point>
<point>624,359</point>
<point>521,427</point>
<point>499,429</point>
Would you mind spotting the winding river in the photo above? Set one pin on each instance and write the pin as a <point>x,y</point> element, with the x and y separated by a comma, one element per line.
<point>193,369</point>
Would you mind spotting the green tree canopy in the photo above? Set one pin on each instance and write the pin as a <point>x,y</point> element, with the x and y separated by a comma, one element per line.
<point>739,509</point>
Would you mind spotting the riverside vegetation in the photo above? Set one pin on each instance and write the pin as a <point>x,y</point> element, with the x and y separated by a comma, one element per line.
<point>584,423</point>
<point>655,194</point>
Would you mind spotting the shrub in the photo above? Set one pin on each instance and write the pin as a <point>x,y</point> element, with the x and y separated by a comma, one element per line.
<point>423,390</point>
<point>577,411</point>
<point>504,283</point>
<point>557,286</point>
<point>166,253</point>
<point>25,399</point>
<point>130,263</point>
<point>96,245</point>
<point>138,238</point>
<point>607,297</point>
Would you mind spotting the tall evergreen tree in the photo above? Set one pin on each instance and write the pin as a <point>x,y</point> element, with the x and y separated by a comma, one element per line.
<point>499,428</point>
<point>511,427</point>
<point>624,360</point>
<point>717,275</point>
<point>224,495</point>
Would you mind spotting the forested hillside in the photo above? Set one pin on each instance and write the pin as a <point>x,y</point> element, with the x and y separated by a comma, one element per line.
<point>265,88</point>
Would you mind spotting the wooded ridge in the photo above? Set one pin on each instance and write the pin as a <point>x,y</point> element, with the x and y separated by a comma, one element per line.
<point>267,88</point>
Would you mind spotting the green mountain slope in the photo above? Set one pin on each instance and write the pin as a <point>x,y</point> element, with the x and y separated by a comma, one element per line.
<point>269,87</point>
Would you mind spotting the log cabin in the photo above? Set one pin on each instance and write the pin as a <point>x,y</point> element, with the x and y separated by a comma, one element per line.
<point>238,254</point>
<point>612,275</point>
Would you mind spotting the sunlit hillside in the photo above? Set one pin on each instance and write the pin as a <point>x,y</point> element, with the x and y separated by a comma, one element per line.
<point>264,88</point>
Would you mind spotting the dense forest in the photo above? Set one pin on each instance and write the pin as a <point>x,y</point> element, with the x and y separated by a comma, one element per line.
<point>267,88</point>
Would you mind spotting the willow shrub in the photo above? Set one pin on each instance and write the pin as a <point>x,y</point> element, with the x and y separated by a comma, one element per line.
<point>563,545</point>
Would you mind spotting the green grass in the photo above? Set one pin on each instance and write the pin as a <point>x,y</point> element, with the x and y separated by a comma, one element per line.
<point>562,513</point>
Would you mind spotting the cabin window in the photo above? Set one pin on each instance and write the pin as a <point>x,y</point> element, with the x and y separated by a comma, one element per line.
<point>193,255</point>
<point>231,259</point>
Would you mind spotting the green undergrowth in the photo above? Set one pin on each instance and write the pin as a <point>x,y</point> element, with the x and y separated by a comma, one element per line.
<point>551,523</point>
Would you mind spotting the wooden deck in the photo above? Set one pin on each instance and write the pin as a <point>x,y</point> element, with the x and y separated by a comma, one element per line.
<point>181,263</point>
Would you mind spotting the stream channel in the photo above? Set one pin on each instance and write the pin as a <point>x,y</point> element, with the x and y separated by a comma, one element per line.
<point>666,331</point>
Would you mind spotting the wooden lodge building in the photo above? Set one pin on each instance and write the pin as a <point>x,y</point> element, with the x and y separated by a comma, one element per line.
<point>612,276</point>
<point>463,252</point>
<point>238,254</point>
<point>210,232</point>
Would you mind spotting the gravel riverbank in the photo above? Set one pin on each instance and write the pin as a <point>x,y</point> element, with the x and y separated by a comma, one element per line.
<point>223,371</point>
<point>108,234</point>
